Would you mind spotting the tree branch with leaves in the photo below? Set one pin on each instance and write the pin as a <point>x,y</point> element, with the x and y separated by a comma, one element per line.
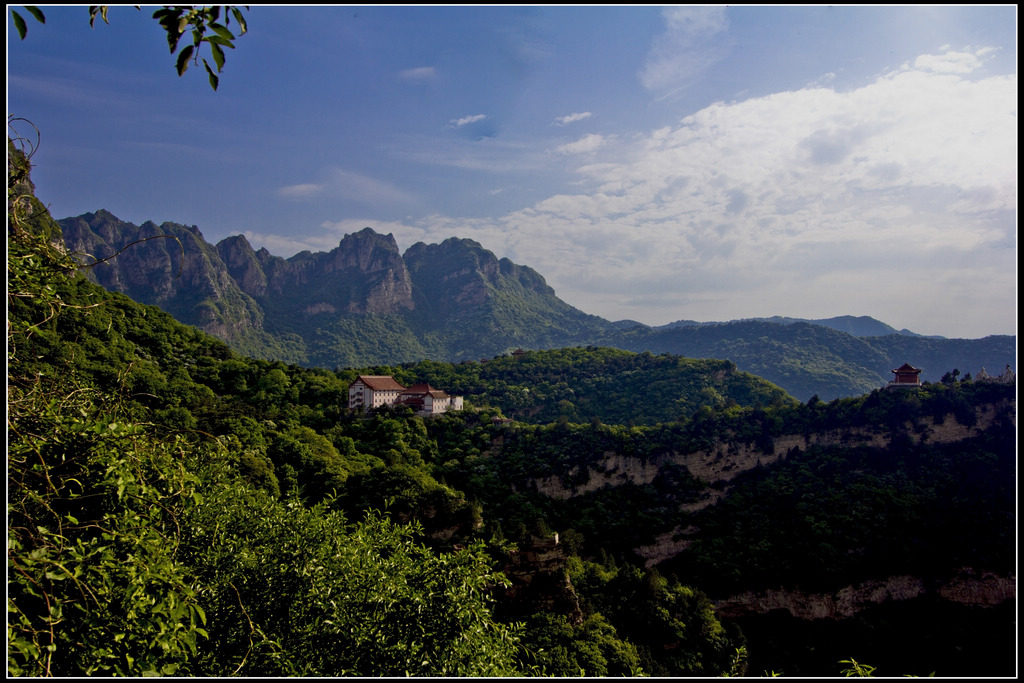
<point>202,23</point>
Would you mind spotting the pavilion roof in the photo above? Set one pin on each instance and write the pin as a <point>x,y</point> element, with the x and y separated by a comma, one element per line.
<point>380,382</point>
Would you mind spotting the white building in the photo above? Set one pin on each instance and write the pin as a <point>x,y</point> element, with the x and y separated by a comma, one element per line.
<point>373,391</point>
<point>426,400</point>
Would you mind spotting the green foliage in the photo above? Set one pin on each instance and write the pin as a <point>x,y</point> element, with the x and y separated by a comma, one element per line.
<point>294,590</point>
<point>198,21</point>
<point>410,494</point>
<point>592,648</point>
<point>354,341</point>
<point>94,501</point>
<point>137,548</point>
<point>203,23</point>
<point>610,385</point>
<point>19,21</point>
<point>94,587</point>
<point>855,668</point>
<point>674,627</point>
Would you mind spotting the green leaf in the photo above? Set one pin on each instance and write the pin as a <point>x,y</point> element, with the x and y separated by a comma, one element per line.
<point>101,10</point>
<point>20,24</point>
<point>37,13</point>
<point>240,19</point>
<point>218,55</point>
<point>219,41</point>
<point>214,80</point>
<point>168,19</point>
<point>222,31</point>
<point>183,57</point>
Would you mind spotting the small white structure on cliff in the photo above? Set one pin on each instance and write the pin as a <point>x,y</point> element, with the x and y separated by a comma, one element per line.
<point>373,391</point>
<point>1006,377</point>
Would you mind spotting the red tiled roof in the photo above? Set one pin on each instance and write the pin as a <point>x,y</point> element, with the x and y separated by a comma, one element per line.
<point>907,367</point>
<point>423,390</point>
<point>380,382</point>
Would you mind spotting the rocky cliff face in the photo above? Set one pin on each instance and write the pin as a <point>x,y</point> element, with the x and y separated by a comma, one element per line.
<point>457,293</point>
<point>719,466</point>
<point>460,273</point>
<point>539,582</point>
<point>168,265</point>
<point>243,265</point>
<point>967,587</point>
<point>364,274</point>
<point>730,458</point>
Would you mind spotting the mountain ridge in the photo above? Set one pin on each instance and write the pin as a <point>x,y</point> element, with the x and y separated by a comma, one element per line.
<point>366,303</point>
<point>857,325</point>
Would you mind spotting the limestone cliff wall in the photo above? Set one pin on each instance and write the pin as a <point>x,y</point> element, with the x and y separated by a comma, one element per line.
<point>968,587</point>
<point>539,582</point>
<point>730,458</point>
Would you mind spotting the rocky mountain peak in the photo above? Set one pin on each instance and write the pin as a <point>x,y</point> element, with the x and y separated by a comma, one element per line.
<point>243,264</point>
<point>366,251</point>
<point>455,273</point>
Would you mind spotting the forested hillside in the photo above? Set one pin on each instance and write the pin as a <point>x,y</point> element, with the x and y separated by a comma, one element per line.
<point>809,359</point>
<point>595,383</point>
<point>178,508</point>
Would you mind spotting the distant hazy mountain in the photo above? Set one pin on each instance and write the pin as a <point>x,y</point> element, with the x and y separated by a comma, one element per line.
<point>365,303</point>
<point>810,359</point>
<point>858,326</point>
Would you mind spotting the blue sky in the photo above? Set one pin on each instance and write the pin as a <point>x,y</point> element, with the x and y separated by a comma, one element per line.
<point>652,163</point>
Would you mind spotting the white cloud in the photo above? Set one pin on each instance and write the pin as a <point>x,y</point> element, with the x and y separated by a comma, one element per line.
<point>354,186</point>
<point>822,81</point>
<point>301,191</point>
<point>466,120</point>
<point>810,203</point>
<point>587,143</point>
<point>688,46</point>
<point>896,199</point>
<point>341,184</point>
<point>572,118</point>
<point>423,73</point>
<point>950,62</point>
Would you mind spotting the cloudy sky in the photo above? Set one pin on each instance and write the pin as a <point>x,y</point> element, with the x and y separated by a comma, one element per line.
<point>653,164</point>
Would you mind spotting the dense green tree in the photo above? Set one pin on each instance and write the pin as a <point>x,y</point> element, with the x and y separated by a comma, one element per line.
<point>592,648</point>
<point>291,590</point>
<point>674,627</point>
